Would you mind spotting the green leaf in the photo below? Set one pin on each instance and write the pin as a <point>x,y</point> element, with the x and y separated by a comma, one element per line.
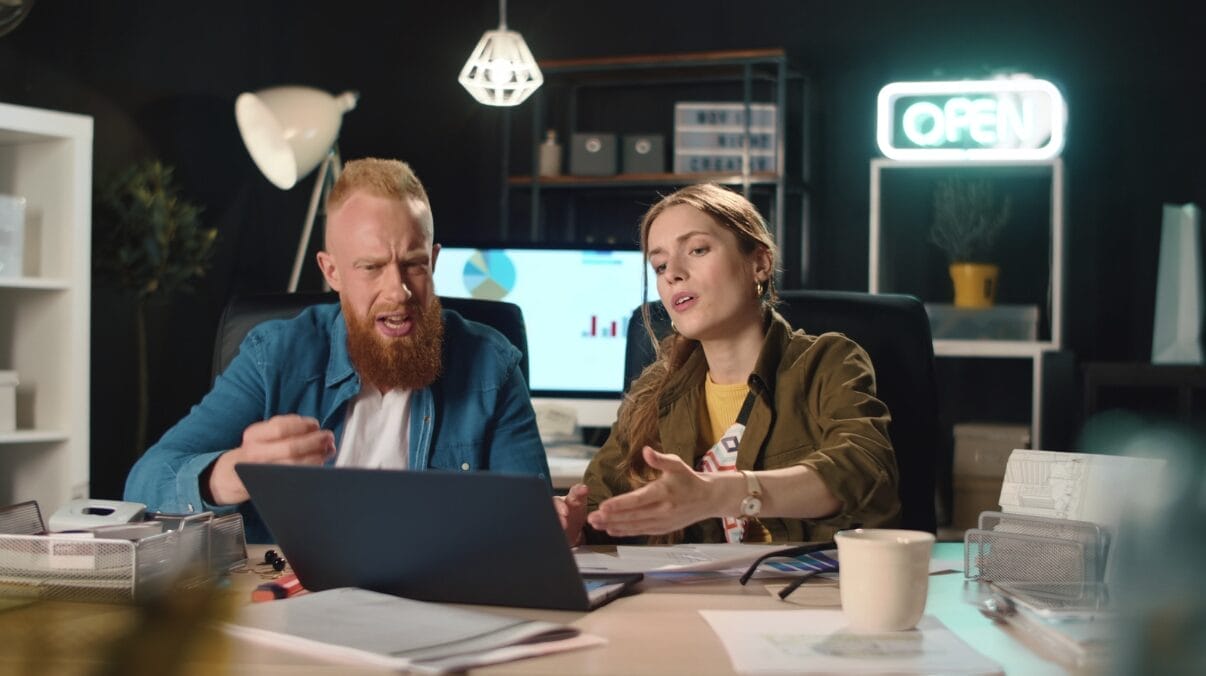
<point>148,239</point>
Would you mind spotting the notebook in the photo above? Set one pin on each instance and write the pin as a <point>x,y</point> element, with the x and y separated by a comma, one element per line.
<point>481,538</point>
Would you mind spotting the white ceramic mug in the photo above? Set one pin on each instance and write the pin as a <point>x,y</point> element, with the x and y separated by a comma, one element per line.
<point>884,577</point>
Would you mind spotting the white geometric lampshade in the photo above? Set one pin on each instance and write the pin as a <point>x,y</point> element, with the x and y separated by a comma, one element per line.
<point>501,70</point>
<point>289,130</point>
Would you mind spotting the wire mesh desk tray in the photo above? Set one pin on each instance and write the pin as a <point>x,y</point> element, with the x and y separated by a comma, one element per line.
<point>82,567</point>
<point>1021,548</point>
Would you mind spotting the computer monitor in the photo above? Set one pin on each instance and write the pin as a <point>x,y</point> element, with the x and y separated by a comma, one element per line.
<point>576,304</point>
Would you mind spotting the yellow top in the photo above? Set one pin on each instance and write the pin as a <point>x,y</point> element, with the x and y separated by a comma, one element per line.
<point>722,403</point>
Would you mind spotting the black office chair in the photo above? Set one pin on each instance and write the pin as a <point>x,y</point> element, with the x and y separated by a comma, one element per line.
<point>895,332</point>
<point>244,312</point>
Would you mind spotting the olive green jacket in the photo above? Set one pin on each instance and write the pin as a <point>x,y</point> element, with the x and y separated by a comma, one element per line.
<point>815,406</point>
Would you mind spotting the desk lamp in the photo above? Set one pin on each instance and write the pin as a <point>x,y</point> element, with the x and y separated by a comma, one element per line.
<point>289,131</point>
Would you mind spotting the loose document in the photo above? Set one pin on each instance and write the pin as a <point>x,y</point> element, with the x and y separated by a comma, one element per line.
<point>726,558</point>
<point>816,641</point>
<point>672,558</point>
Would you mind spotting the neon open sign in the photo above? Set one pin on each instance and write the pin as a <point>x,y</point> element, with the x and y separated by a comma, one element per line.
<point>1015,119</point>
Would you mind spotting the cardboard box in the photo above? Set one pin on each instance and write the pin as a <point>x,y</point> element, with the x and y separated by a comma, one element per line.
<point>973,495</point>
<point>644,154</point>
<point>593,154</point>
<point>982,449</point>
<point>8,401</point>
<point>981,453</point>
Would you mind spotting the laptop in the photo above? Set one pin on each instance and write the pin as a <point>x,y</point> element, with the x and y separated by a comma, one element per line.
<point>481,538</point>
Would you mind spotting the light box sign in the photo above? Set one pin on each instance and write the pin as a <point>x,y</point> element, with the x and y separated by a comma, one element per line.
<point>991,120</point>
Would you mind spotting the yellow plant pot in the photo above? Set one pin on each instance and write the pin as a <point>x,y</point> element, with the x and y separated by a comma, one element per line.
<point>975,284</point>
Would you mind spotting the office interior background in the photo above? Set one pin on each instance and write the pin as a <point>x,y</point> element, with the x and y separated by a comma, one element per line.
<point>160,80</point>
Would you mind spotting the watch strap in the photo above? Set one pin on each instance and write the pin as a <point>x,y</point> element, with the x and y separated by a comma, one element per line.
<point>753,486</point>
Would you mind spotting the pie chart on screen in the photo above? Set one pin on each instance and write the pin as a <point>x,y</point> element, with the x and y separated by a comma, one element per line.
<point>489,275</point>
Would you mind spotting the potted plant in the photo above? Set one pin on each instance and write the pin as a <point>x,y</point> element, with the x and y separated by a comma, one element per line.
<point>148,242</point>
<point>968,218</point>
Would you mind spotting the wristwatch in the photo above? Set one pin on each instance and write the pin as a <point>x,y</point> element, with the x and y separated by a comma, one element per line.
<point>751,504</point>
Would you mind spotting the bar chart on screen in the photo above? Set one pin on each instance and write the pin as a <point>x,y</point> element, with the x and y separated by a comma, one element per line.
<point>602,327</point>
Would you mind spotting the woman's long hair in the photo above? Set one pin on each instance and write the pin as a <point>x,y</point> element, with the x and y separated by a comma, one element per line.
<point>638,414</point>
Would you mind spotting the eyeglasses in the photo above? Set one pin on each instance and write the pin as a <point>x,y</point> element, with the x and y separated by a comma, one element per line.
<point>790,553</point>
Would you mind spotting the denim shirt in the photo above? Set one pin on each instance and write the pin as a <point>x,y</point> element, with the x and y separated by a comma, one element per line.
<point>476,416</point>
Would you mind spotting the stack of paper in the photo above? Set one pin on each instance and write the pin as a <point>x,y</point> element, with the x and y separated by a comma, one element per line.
<point>360,626</point>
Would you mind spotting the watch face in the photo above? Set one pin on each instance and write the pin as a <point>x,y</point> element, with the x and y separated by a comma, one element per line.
<point>750,506</point>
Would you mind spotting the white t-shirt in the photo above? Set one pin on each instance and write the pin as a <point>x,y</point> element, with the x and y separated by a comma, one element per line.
<point>377,432</point>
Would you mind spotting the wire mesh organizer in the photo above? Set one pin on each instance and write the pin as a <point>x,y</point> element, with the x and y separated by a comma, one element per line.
<point>189,550</point>
<point>1022,548</point>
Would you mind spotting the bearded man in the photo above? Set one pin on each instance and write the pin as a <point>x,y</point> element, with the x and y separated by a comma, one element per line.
<point>383,379</point>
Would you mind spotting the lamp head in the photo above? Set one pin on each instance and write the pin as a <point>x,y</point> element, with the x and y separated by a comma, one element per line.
<point>288,130</point>
<point>501,70</point>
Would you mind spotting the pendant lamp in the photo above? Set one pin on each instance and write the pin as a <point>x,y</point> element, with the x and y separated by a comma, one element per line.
<point>501,70</point>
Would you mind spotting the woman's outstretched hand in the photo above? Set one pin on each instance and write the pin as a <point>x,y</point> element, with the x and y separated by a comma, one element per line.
<point>676,499</point>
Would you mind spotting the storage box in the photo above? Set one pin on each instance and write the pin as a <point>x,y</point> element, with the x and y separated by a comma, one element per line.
<point>999,322</point>
<point>593,154</point>
<point>711,137</point>
<point>983,449</point>
<point>644,154</point>
<point>8,401</point>
<point>12,235</point>
<point>971,496</point>
<point>981,452</point>
<point>95,567</point>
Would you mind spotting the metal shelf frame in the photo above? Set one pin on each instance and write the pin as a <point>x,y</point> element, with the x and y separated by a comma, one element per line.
<point>744,66</point>
<point>1036,350</point>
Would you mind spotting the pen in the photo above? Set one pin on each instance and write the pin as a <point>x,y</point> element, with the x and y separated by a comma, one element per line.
<point>282,587</point>
<point>1066,649</point>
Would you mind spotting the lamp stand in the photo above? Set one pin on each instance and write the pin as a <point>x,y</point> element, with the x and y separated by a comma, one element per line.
<point>328,173</point>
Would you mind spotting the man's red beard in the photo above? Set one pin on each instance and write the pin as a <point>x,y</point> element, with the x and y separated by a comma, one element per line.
<point>407,362</point>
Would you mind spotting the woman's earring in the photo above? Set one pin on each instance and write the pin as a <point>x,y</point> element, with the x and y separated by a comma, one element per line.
<point>760,288</point>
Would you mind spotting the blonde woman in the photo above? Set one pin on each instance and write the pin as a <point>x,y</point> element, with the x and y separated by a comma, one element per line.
<point>742,429</point>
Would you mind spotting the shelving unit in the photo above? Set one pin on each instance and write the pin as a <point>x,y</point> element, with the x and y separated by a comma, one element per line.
<point>888,269</point>
<point>46,157</point>
<point>631,180</point>
<point>654,83</point>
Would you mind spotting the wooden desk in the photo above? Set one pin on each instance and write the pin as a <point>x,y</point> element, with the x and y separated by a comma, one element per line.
<point>658,631</point>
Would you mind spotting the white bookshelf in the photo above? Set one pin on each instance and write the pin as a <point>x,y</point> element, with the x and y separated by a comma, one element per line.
<point>46,157</point>
<point>880,281</point>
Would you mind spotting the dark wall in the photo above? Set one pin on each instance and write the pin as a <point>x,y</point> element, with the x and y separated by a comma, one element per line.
<point>160,79</point>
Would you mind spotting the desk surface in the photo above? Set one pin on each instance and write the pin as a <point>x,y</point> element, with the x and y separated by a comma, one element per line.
<point>658,631</point>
